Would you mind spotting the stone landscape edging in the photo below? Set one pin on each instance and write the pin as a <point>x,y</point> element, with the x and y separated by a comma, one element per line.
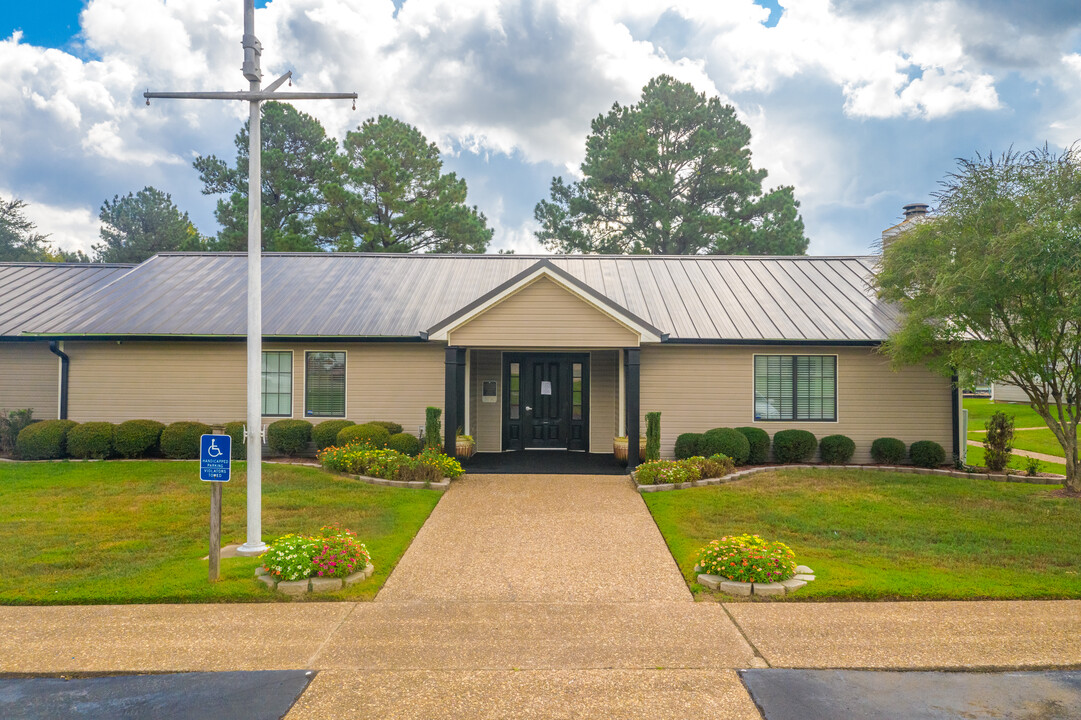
<point>312,584</point>
<point>802,576</point>
<point>662,487</point>
<point>440,485</point>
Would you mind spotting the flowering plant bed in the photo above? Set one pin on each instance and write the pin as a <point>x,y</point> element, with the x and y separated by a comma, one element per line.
<point>748,558</point>
<point>333,553</point>
<point>363,459</point>
<point>662,472</point>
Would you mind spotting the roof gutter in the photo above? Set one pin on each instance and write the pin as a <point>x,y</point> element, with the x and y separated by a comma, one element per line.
<point>65,362</point>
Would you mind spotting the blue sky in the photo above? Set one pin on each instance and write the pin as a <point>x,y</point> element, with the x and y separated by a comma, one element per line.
<point>861,105</point>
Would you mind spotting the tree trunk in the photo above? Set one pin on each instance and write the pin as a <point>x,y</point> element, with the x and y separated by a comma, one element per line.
<point>1073,479</point>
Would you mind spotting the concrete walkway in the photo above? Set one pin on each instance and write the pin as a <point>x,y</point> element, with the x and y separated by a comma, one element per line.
<point>1028,453</point>
<point>537,597</point>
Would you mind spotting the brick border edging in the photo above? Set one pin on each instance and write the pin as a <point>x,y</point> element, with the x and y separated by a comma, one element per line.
<point>1058,480</point>
<point>441,485</point>
<point>313,584</point>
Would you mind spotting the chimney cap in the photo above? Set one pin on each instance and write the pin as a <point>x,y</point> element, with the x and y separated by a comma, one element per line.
<point>915,210</point>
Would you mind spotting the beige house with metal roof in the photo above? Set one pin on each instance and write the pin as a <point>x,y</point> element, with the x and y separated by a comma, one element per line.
<point>553,352</point>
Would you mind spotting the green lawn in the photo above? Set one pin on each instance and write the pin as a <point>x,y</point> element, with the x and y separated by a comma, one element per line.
<point>1017,462</point>
<point>1041,441</point>
<point>879,536</point>
<point>124,532</point>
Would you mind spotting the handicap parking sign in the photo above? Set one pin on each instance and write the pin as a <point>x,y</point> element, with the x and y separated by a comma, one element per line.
<point>215,452</point>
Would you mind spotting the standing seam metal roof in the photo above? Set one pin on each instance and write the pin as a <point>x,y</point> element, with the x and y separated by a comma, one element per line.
<point>693,298</point>
<point>29,289</point>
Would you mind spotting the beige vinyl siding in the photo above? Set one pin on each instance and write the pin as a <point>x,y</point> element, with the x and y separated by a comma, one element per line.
<point>487,418</point>
<point>603,399</point>
<point>1008,393</point>
<point>701,387</point>
<point>543,314</point>
<point>29,378</point>
<point>205,381</point>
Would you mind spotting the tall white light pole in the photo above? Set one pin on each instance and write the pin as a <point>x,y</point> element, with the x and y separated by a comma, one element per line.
<point>255,96</point>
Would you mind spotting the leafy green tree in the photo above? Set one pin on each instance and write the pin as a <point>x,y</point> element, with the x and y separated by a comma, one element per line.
<point>392,196</point>
<point>139,225</point>
<point>19,241</point>
<point>670,175</point>
<point>993,283</point>
<point>297,160</point>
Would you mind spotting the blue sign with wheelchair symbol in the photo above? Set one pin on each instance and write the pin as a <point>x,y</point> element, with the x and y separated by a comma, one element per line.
<point>215,452</point>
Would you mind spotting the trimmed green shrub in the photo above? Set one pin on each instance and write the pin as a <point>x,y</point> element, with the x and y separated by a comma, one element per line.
<point>44,440</point>
<point>288,437</point>
<point>998,442</point>
<point>391,427</point>
<point>325,433</point>
<point>688,445</point>
<point>793,446</point>
<point>368,434</point>
<point>180,440</point>
<point>653,436</point>
<point>725,441</point>
<point>888,451</point>
<point>759,442</point>
<point>92,440</point>
<point>927,454</point>
<point>404,443</point>
<point>138,438</point>
<point>235,430</point>
<point>11,424</point>
<point>432,427</point>
<point>836,449</point>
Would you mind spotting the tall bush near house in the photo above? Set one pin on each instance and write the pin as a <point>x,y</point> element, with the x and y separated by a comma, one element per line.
<point>758,439</point>
<point>433,427</point>
<point>404,443</point>
<point>725,441</point>
<point>998,442</point>
<point>44,440</point>
<point>688,445</point>
<point>11,424</point>
<point>180,440</point>
<point>92,440</point>
<point>288,437</point>
<point>653,436</point>
<point>927,453</point>
<point>888,451</point>
<point>235,430</point>
<point>793,446</point>
<point>325,433</point>
<point>138,438</point>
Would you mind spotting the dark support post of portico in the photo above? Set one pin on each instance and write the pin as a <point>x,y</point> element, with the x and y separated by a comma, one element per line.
<point>955,404</point>
<point>632,382</point>
<point>454,399</point>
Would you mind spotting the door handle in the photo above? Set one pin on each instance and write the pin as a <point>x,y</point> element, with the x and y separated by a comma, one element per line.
<point>528,408</point>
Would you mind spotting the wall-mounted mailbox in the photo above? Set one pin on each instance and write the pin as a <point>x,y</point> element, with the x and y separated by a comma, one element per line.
<point>488,391</point>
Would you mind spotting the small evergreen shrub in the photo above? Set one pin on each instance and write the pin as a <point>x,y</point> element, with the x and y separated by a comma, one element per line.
<point>688,445</point>
<point>325,433</point>
<point>432,427</point>
<point>44,440</point>
<point>748,558</point>
<point>92,440</point>
<point>653,436</point>
<point>11,424</point>
<point>793,446</point>
<point>725,441</point>
<point>836,449</point>
<point>288,437</point>
<point>180,440</point>
<point>998,442</point>
<point>888,451</point>
<point>759,442</point>
<point>391,427</point>
<point>138,438</point>
<point>235,430</point>
<point>927,454</point>
<point>366,434</point>
<point>404,443</point>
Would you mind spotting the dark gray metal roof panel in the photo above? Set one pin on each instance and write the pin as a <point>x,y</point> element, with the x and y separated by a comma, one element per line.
<point>699,298</point>
<point>29,290</point>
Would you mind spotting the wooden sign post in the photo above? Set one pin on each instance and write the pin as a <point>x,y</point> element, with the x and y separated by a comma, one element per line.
<point>215,467</point>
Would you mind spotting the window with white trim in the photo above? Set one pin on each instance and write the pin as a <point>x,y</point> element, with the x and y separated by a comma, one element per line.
<point>277,383</point>
<point>795,387</point>
<point>324,384</point>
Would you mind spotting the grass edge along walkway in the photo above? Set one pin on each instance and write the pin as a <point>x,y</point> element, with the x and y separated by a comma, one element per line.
<point>136,532</point>
<point>889,536</point>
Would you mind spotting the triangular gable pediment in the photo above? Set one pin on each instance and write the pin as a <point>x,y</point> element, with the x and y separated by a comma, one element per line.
<point>541,307</point>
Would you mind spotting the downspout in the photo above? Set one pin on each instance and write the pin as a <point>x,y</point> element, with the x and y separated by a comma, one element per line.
<point>955,406</point>
<point>65,361</point>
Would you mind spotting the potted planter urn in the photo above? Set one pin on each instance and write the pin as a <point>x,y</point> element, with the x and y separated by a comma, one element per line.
<point>465,447</point>
<point>619,449</point>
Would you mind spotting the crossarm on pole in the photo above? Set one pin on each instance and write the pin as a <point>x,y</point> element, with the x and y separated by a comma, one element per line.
<point>251,96</point>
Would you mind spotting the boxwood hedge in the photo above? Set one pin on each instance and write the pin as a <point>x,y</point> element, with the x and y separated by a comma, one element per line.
<point>44,440</point>
<point>138,438</point>
<point>92,440</point>
<point>180,440</point>
<point>793,446</point>
<point>759,442</point>
<point>288,437</point>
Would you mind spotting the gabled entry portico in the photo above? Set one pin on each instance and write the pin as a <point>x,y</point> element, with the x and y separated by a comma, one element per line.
<point>543,362</point>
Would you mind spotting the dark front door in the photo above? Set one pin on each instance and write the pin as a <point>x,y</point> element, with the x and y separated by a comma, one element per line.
<point>547,401</point>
